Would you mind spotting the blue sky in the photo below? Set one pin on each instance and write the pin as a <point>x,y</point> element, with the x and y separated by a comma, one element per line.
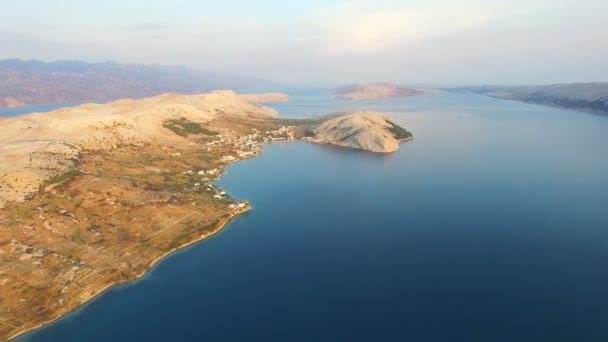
<point>325,42</point>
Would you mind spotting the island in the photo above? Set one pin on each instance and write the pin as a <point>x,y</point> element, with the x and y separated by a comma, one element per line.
<point>592,97</point>
<point>363,130</point>
<point>373,91</point>
<point>94,195</point>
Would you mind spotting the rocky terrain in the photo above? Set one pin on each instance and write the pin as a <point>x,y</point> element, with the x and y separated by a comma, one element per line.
<point>24,83</point>
<point>94,195</point>
<point>372,91</point>
<point>579,96</point>
<point>370,131</point>
<point>39,146</point>
<point>25,165</point>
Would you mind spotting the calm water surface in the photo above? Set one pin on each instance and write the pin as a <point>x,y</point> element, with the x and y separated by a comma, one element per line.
<point>490,225</point>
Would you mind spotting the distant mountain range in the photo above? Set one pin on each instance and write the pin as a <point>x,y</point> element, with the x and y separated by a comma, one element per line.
<point>579,96</point>
<point>33,82</point>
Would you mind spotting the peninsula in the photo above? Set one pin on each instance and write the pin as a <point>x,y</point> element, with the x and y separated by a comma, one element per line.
<point>373,91</point>
<point>592,97</point>
<point>94,195</point>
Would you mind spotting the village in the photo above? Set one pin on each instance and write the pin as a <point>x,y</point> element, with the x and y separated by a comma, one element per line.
<point>240,147</point>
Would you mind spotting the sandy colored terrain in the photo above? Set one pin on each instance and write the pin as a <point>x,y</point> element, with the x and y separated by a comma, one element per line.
<point>362,130</point>
<point>94,127</point>
<point>94,195</point>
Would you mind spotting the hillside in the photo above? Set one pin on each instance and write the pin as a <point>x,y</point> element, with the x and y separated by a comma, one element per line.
<point>94,195</point>
<point>38,146</point>
<point>578,96</point>
<point>372,91</point>
<point>24,83</point>
<point>363,130</point>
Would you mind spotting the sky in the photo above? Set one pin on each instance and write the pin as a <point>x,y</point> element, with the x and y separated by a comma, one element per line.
<point>325,42</point>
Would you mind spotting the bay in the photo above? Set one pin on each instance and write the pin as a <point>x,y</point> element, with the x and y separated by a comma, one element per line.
<point>489,226</point>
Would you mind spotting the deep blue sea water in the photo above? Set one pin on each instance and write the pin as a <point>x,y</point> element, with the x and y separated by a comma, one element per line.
<point>491,225</point>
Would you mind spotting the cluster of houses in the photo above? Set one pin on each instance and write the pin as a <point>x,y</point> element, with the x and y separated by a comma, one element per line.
<point>282,133</point>
<point>239,205</point>
<point>220,195</point>
<point>210,172</point>
<point>227,159</point>
<point>245,147</point>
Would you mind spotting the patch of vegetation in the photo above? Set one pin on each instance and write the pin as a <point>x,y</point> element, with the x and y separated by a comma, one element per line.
<point>399,132</point>
<point>62,177</point>
<point>183,127</point>
<point>23,211</point>
<point>76,236</point>
<point>310,133</point>
<point>177,242</point>
<point>299,122</point>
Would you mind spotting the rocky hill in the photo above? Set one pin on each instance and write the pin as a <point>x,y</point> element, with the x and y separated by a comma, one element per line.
<point>24,83</point>
<point>578,96</point>
<point>371,131</point>
<point>39,146</point>
<point>371,91</point>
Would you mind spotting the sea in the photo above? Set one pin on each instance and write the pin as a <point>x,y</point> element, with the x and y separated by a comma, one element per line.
<point>490,225</point>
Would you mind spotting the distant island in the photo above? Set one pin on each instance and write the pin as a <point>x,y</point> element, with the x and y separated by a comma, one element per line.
<point>32,82</point>
<point>373,91</point>
<point>579,96</point>
<point>95,195</point>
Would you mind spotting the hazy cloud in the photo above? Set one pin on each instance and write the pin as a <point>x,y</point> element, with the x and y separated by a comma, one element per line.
<point>325,41</point>
<point>363,28</point>
<point>154,27</point>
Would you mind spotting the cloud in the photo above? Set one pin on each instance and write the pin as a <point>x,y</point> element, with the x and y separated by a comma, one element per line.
<point>365,28</point>
<point>154,27</point>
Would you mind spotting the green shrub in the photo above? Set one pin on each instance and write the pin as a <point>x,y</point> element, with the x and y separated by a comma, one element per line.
<point>68,175</point>
<point>184,127</point>
<point>398,131</point>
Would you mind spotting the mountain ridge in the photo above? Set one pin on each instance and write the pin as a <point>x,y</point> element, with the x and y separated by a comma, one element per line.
<point>35,82</point>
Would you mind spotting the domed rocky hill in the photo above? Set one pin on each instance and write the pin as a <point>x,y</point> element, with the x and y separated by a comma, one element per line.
<point>370,131</point>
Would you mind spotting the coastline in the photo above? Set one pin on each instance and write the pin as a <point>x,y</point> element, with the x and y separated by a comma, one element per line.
<point>221,225</point>
<point>328,143</point>
<point>406,139</point>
